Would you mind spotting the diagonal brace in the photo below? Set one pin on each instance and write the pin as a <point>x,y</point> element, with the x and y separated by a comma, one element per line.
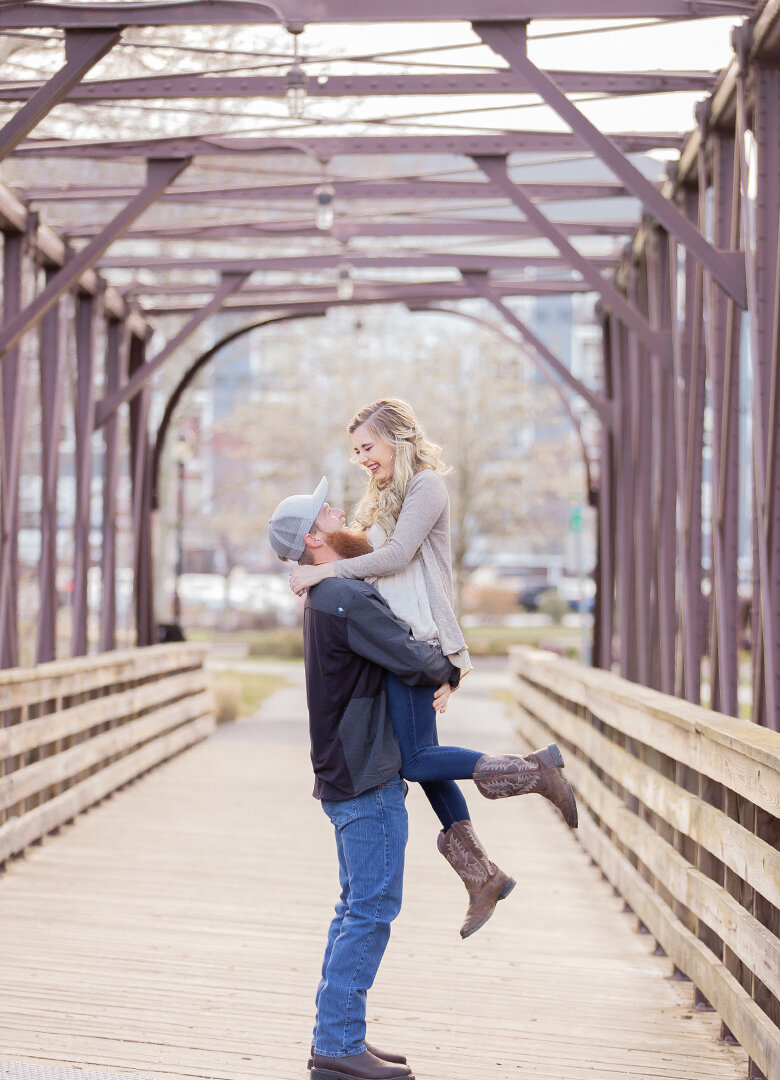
<point>510,40</point>
<point>495,168</point>
<point>105,409</point>
<point>83,49</point>
<point>160,173</point>
<point>482,287</point>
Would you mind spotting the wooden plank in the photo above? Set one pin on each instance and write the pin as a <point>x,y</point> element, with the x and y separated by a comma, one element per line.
<point>749,939</point>
<point>21,738</point>
<point>17,833</point>
<point>177,930</point>
<point>63,678</point>
<point>754,1030</point>
<point>85,755</point>
<point>747,855</point>
<point>748,1023</point>
<point>731,751</point>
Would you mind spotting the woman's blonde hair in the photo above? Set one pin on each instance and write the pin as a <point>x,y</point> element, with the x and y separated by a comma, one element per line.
<point>393,421</point>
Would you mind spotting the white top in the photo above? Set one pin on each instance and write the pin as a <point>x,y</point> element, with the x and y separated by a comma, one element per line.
<point>405,592</point>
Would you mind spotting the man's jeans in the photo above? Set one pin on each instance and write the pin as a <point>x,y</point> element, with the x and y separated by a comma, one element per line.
<point>371,832</point>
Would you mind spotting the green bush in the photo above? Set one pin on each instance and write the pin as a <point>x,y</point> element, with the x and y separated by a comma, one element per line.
<point>553,605</point>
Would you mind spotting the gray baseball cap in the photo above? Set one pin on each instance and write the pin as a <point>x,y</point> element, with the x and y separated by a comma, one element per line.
<point>293,519</point>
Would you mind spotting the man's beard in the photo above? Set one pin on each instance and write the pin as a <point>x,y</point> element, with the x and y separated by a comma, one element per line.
<point>348,544</point>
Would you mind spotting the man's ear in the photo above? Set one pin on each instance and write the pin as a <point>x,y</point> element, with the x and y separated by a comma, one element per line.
<point>311,540</point>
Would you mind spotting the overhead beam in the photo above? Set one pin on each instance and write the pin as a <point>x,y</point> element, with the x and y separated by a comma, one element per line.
<point>348,230</point>
<point>510,40</point>
<point>326,147</point>
<point>660,344</point>
<point>83,49</point>
<point>397,293</point>
<point>292,263</point>
<point>52,251</point>
<point>197,85</point>
<point>480,284</point>
<point>234,12</point>
<point>106,408</point>
<point>439,190</point>
<point>530,287</point>
<point>160,173</point>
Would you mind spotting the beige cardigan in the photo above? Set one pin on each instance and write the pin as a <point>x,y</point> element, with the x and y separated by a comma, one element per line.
<point>423,526</point>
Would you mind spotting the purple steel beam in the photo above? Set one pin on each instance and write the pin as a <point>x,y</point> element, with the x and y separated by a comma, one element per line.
<point>392,292</point>
<point>160,173</point>
<point>766,129</point>
<point>639,404</point>
<point>52,386</point>
<point>766,698</point>
<point>198,85</point>
<point>12,383</point>
<point>480,284</point>
<point>348,229</point>
<point>659,300</point>
<point>689,375</point>
<point>106,408</point>
<point>395,190</point>
<point>394,259</point>
<point>723,367</point>
<point>605,584</point>
<point>116,362</point>
<point>623,508</point>
<point>326,297</point>
<point>728,268</point>
<point>143,594</point>
<point>326,147</point>
<point>85,390</point>
<point>495,169</point>
<point>189,375</point>
<point>233,12</point>
<point>83,49</point>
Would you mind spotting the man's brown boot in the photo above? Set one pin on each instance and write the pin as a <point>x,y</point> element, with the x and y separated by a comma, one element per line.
<point>385,1055</point>
<point>365,1066</point>
<point>485,882</point>
<point>539,772</point>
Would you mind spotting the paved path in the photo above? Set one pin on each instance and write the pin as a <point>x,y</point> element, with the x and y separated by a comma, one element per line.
<point>176,931</point>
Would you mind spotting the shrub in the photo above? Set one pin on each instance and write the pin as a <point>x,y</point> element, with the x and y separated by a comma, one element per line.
<point>227,700</point>
<point>554,605</point>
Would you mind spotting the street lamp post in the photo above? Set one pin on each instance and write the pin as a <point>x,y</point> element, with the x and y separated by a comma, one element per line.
<point>182,453</point>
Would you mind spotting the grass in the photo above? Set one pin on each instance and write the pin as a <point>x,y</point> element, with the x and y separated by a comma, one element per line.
<point>496,640</point>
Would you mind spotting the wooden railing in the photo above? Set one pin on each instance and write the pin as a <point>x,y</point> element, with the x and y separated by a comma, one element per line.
<point>679,807</point>
<point>72,732</point>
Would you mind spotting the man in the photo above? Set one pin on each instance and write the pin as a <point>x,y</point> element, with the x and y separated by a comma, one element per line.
<point>350,638</point>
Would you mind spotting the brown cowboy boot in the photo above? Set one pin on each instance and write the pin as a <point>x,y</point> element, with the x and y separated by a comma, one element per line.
<point>485,882</point>
<point>365,1066</point>
<point>539,772</point>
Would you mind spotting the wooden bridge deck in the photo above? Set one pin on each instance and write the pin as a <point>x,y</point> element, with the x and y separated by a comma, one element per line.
<point>176,931</point>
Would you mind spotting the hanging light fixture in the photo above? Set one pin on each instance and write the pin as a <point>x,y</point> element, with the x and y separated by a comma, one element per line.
<point>345,286</point>
<point>324,197</point>
<point>296,82</point>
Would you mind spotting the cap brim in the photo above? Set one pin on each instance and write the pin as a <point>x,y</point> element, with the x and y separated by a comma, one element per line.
<point>319,496</point>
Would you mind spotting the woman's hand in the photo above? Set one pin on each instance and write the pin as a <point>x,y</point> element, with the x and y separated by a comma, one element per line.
<point>303,577</point>
<point>441,697</point>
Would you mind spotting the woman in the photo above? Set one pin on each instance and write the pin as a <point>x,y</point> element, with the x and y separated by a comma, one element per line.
<point>405,514</point>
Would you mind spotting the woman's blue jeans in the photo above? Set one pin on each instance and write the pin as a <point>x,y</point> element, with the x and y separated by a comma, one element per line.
<point>423,760</point>
<point>371,831</point>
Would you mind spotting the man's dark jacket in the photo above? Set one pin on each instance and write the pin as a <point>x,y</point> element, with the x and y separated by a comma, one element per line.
<point>350,639</point>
